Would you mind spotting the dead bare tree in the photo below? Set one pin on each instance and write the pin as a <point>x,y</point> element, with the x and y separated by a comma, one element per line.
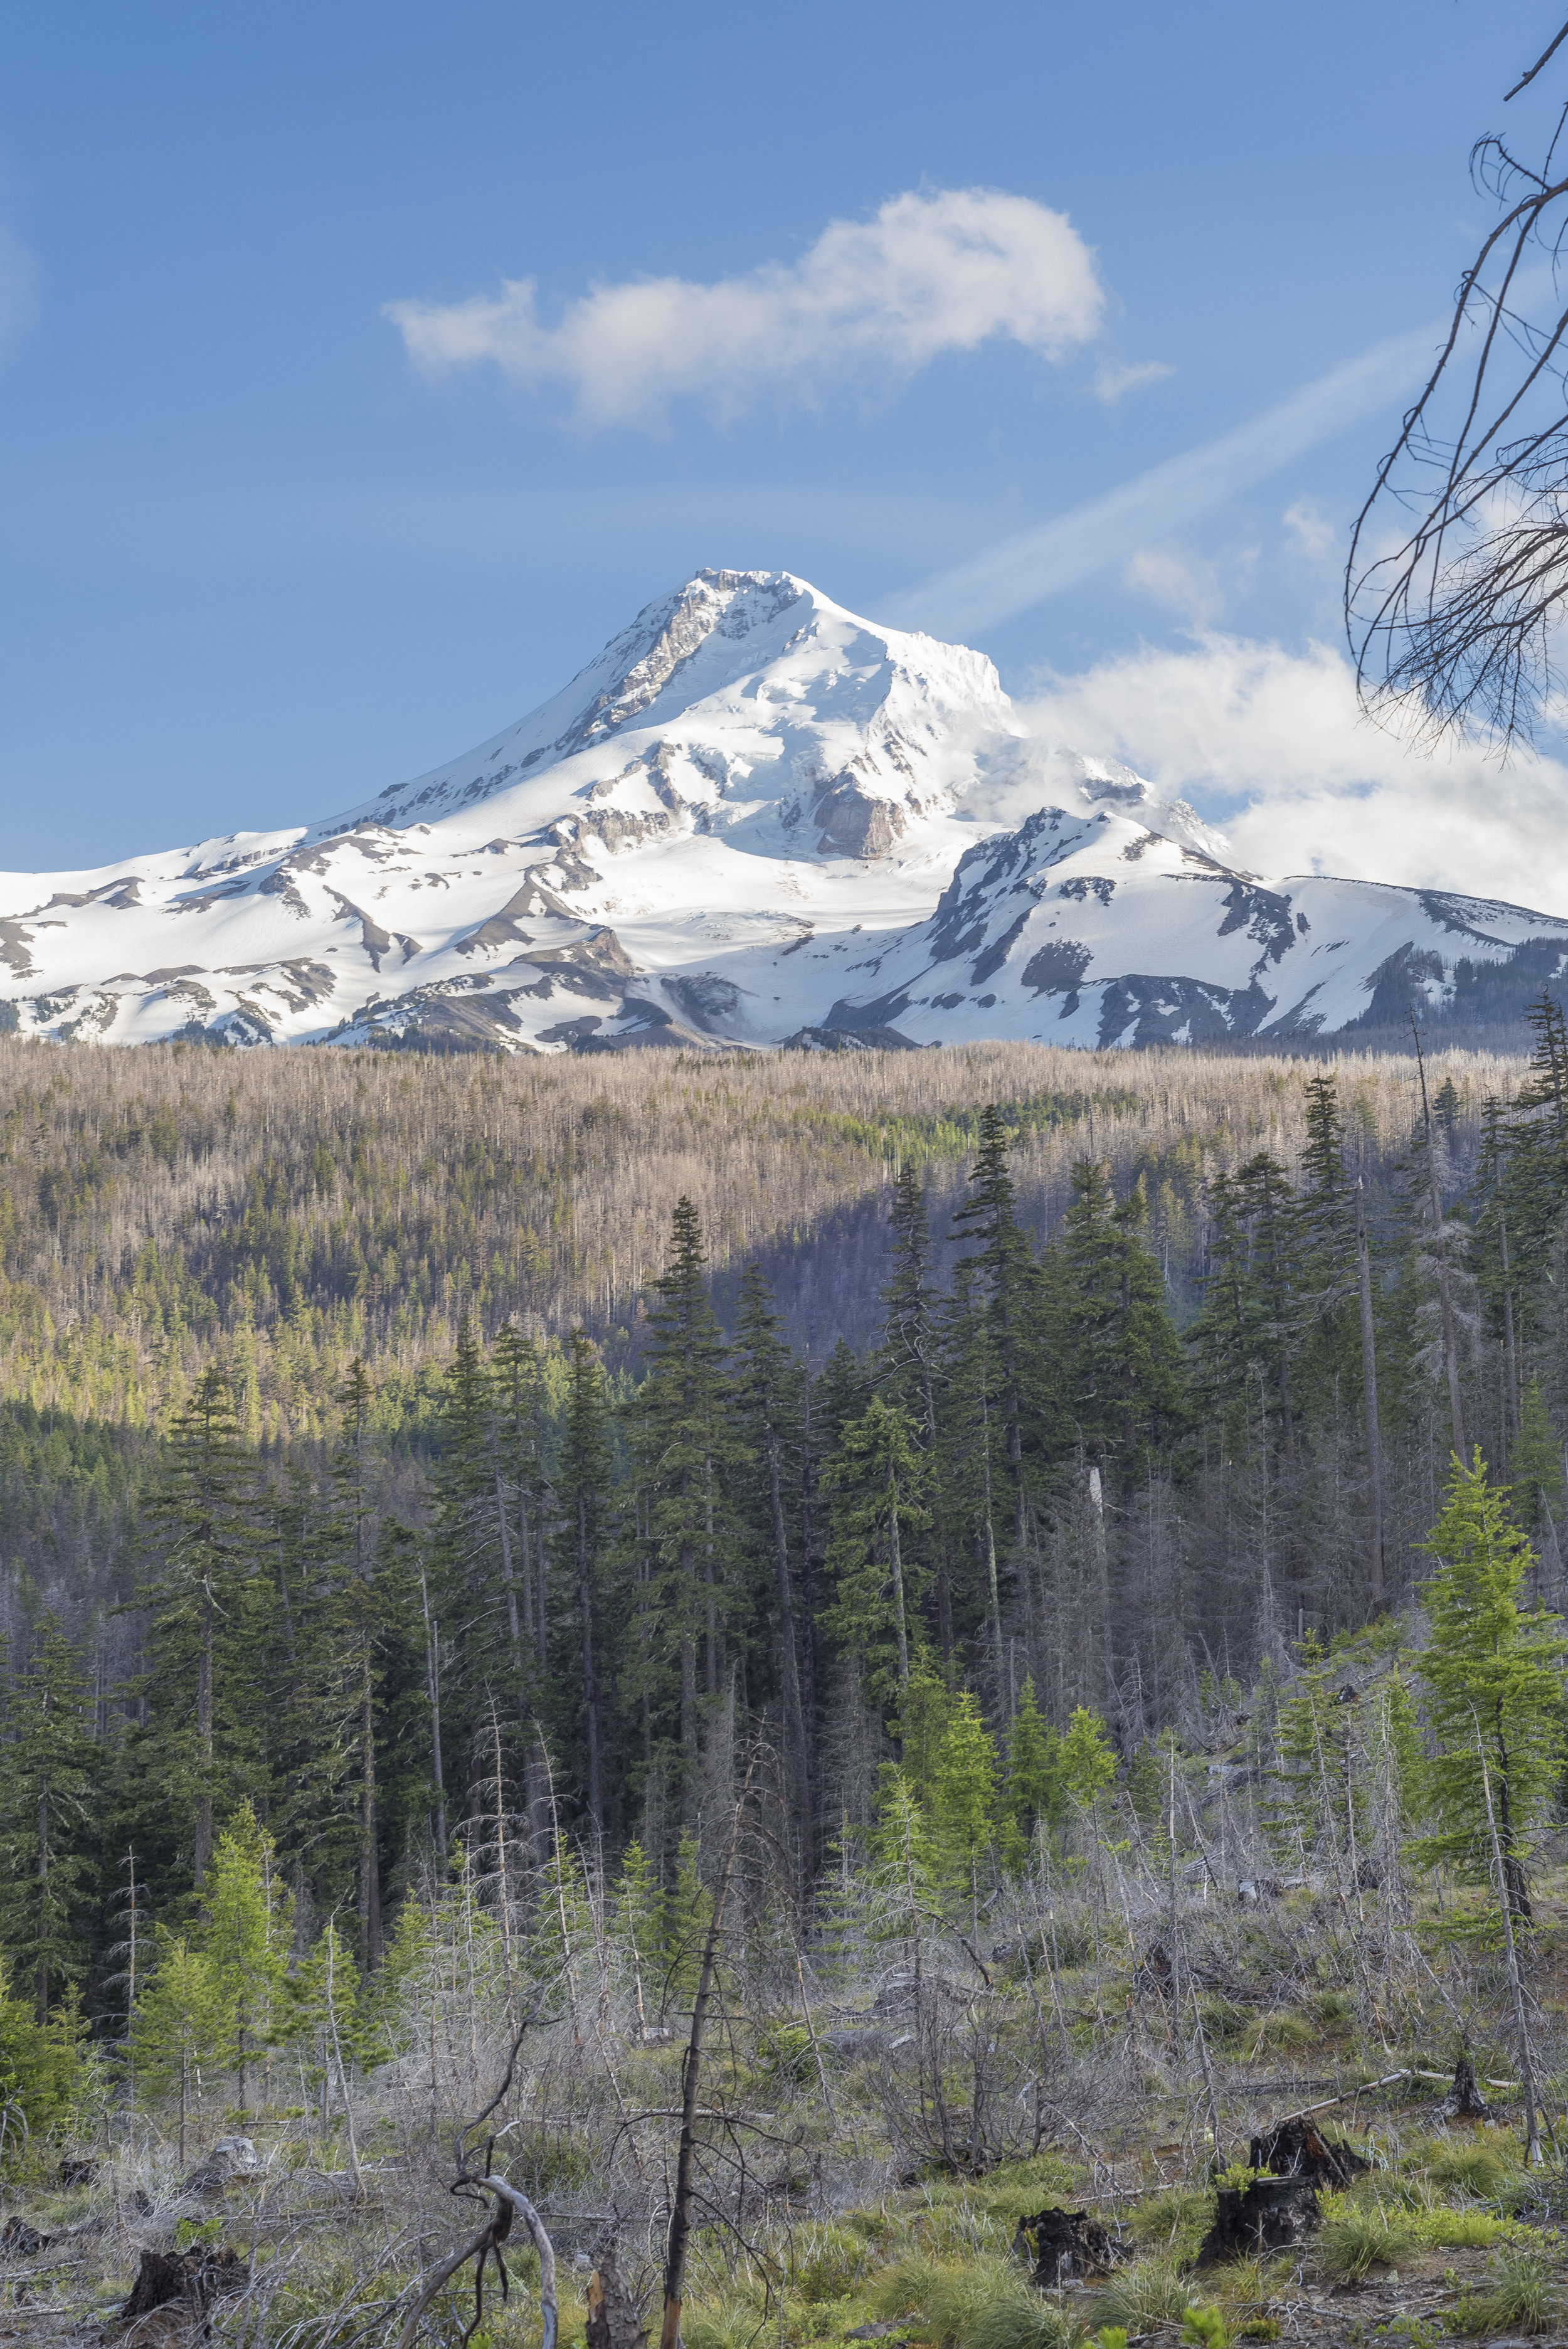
<point>509,2205</point>
<point>1453,626</point>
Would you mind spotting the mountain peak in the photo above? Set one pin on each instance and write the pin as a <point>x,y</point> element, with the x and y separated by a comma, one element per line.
<point>753,818</point>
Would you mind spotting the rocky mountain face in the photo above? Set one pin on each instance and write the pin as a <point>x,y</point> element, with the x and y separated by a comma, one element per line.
<point>754,820</point>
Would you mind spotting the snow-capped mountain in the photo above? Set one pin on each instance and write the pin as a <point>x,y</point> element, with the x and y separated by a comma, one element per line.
<point>753,820</point>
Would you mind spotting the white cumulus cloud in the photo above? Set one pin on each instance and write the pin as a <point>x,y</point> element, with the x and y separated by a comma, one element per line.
<point>1271,743</point>
<point>935,271</point>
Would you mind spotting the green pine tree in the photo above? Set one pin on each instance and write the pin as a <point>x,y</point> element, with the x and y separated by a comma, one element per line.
<point>686,1450</point>
<point>180,2030</point>
<point>199,1590</point>
<point>767,1395</point>
<point>875,1477</point>
<point>244,1943</point>
<point>1492,1675</point>
<point>583,1500</point>
<point>965,1796</point>
<point>49,1775</point>
<point>1033,1789</point>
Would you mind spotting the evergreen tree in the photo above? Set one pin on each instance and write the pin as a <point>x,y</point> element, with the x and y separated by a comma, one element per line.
<point>1535,1471</point>
<point>766,1403</point>
<point>1492,1675</point>
<point>244,1943</point>
<point>1033,1786</point>
<point>965,1792</point>
<point>1124,1357</point>
<point>1328,1336</point>
<point>1085,1758</point>
<point>1001,1262</point>
<point>48,1776</point>
<point>583,1490</point>
<point>199,1524</point>
<point>907,1365</point>
<point>686,1450</point>
<point>180,2028</point>
<point>875,1477</point>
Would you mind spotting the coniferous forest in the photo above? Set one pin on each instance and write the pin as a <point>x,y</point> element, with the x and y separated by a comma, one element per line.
<point>1014,1597</point>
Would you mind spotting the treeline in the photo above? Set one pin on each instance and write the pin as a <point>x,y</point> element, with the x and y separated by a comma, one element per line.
<point>283,1213</point>
<point>1033,1497</point>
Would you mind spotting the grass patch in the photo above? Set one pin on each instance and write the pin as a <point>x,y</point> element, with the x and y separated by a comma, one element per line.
<point>1283,2032</point>
<point>1176,2220</point>
<point>1520,2295</point>
<point>1358,2235</point>
<point>1144,2296</point>
<point>982,2303</point>
<point>1481,2167</point>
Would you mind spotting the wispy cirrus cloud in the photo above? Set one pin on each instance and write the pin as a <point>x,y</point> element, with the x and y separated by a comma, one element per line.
<point>933,271</point>
<point>1022,571</point>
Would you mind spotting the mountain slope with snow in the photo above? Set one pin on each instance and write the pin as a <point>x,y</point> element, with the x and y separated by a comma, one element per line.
<point>753,818</point>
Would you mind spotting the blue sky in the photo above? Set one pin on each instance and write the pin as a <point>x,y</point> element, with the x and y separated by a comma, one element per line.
<point>256,560</point>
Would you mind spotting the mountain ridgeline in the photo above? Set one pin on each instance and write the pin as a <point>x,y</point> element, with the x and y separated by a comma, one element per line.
<point>756,819</point>
<point>407,1448</point>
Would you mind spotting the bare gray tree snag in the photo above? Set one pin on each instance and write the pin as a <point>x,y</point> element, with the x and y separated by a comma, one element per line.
<point>1369,1406</point>
<point>1515,1980</point>
<point>510,2205</point>
<point>487,2245</point>
<point>1439,1241</point>
<point>1453,626</point>
<point>691,2076</point>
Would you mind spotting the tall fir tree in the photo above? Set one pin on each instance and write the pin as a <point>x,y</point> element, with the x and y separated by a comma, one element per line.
<point>583,1492</point>
<point>200,1589</point>
<point>686,1450</point>
<point>1001,1262</point>
<point>767,1408</point>
<point>49,1775</point>
<point>875,1477</point>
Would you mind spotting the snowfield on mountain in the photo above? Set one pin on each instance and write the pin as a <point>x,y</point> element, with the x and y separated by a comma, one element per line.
<point>754,820</point>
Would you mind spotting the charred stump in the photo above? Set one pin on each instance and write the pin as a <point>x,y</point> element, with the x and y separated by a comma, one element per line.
<point>1293,2148</point>
<point>188,2280</point>
<point>1464,2101</point>
<point>1063,2246</point>
<point>1271,2214</point>
<point>613,2319</point>
<point>1157,1973</point>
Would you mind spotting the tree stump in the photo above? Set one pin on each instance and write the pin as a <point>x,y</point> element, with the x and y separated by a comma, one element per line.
<point>1063,2246</point>
<point>187,2280</point>
<point>1293,2148</point>
<point>614,2321</point>
<point>1464,2101</point>
<point>1271,2214</point>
